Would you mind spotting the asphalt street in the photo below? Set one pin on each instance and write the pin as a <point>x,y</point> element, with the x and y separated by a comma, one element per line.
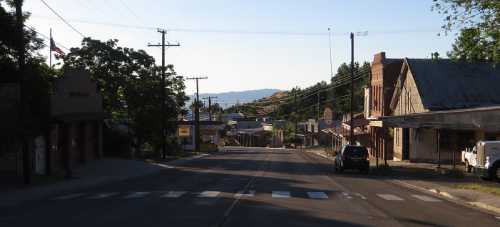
<point>247,187</point>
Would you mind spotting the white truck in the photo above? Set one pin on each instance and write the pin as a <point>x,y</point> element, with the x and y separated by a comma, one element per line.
<point>483,159</point>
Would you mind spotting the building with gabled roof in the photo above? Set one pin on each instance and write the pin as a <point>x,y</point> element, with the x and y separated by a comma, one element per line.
<point>440,106</point>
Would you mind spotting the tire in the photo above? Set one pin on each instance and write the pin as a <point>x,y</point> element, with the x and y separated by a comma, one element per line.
<point>468,167</point>
<point>494,171</point>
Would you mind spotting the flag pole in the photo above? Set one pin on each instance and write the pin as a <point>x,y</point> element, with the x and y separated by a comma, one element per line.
<point>50,49</point>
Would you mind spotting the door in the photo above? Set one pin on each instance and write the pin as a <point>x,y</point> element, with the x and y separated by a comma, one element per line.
<point>406,144</point>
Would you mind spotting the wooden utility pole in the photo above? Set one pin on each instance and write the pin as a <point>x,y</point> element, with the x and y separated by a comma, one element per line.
<point>351,124</point>
<point>197,113</point>
<point>162,84</point>
<point>210,106</point>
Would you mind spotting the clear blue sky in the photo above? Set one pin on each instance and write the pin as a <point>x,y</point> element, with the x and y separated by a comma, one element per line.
<point>240,61</point>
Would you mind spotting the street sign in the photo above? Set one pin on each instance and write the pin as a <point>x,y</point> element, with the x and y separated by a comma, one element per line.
<point>184,131</point>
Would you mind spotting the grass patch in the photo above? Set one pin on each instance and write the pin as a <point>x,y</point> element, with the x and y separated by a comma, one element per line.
<point>480,187</point>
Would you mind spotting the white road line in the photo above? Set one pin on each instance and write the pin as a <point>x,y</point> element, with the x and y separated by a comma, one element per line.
<point>103,195</point>
<point>173,194</point>
<point>390,197</point>
<point>135,195</point>
<point>250,193</point>
<point>209,194</point>
<point>426,198</point>
<point>165,166</point>
<point>346,195</point>
<point>280,194</point>
<point>317,195</point>
<point>70,196</point>
<point>360,196</point>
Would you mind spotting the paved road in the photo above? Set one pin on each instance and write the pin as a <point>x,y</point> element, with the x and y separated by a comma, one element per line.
<point>247,187</point>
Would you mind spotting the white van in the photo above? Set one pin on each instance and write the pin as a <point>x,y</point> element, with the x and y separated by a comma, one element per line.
<point>484,159</point>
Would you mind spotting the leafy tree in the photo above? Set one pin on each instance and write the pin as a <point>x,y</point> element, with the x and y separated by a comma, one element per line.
<point>479,24</point>
<point>342,87</point>
<point>36,77</point>
<point>130,85</point>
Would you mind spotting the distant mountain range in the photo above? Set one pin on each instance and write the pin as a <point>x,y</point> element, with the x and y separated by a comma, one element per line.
<point>226,99</point>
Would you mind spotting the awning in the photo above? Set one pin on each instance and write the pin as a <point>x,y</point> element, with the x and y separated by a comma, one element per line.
<point>485,118</point>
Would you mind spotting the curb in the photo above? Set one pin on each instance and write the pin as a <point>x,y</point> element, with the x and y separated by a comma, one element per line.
<point>449,197</point>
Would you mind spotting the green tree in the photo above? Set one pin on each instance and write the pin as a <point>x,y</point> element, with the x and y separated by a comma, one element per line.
<point>342,87</point>
<point>130,85</point>
<point>37,77</point>
<point>479,25</point>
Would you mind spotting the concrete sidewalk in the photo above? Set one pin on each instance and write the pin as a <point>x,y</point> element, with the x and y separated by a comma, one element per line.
<point>444,182</point>
<point>91,174</point>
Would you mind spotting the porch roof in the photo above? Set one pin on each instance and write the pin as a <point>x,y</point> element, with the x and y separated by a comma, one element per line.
<point>484,118</point>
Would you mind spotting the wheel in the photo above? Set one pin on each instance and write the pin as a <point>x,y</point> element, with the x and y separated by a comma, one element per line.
<point>468,167</point>
<point>494,172</point>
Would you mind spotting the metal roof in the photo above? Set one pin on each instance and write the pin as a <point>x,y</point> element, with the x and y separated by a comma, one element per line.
<point>447,84</point>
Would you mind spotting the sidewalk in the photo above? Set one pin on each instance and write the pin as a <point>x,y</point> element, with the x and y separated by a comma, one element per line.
<point>454,185</point>
<point>90,174</point>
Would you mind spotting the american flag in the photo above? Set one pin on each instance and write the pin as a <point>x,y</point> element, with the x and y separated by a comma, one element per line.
<point>53,47</point>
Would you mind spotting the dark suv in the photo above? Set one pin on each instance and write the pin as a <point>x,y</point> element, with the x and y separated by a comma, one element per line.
<point>352,157</point>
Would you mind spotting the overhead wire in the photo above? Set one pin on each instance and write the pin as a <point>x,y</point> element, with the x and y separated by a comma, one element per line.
<point>62,18</point>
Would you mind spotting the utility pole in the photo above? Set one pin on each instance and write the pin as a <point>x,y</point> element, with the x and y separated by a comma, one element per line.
<point>318,106</point>
<point>330,46</point>
<point>351,124</point>
<point>197,113</point>
<point>162,84</point>
<point>210,106</point>
<point>22,98</point>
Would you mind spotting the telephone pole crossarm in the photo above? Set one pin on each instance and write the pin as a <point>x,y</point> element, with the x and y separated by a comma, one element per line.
<point>197,113</point>
<point>162,84</point>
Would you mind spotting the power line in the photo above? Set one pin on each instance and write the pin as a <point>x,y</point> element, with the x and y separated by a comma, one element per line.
<point>131,11</point>
<point>64,20</point>
<point>247,32</point>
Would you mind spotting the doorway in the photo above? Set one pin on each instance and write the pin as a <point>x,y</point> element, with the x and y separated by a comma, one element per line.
<point>406,143</point>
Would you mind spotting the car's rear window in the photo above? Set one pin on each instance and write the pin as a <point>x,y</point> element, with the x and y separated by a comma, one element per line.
<point>355,151</point>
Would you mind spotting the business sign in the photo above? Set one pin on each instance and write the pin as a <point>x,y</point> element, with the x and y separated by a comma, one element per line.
<point>328,116</point>
<point>184,131</point>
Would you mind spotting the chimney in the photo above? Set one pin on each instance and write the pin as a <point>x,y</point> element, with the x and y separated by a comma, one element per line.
<point>379,57</point>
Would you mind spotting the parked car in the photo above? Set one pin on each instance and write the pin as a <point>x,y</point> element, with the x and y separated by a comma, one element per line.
<point>484,159</point>
<point>352,157</point>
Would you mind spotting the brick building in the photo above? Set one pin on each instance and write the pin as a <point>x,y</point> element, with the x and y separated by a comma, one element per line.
<point>384,72</point>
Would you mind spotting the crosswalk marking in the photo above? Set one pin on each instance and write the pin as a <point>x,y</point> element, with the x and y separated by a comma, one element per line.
<point>360,196</point>
<point>280,194</point>
<point>426,198</point>
<point>135,195</point>
<point>317,195</point>
<point>103,195</point>
<point>250,193</point>
<point>70,196</point>
<point>209,194</point>
<point>173,194</point>
<point>346,195</point>
<point>390,197</point>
